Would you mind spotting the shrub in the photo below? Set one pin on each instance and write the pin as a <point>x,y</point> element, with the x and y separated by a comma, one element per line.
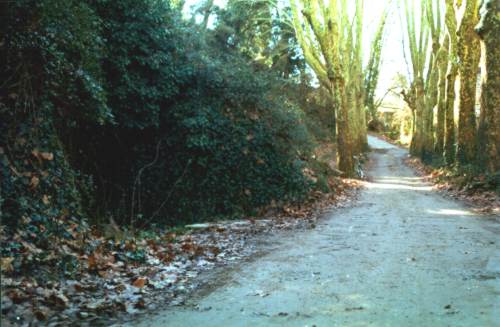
<point>120,108</point>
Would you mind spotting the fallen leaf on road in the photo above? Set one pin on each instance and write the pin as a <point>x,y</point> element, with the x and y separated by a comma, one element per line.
<point>6,264</point>
<point>58,299</point>
<point>139,282</point>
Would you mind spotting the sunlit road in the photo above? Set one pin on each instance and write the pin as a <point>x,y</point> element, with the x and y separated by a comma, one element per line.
<point>402,256</point>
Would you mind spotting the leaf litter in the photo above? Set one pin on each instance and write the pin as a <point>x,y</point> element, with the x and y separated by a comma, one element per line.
<point>120,278</point>
<point>476,192</point>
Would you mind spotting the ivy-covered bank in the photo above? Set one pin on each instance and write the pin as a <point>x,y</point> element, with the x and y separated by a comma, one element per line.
<point>122,113</point>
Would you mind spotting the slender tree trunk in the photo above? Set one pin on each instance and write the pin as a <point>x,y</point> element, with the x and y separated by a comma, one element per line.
<point>489,123</point>
<point>351,102</point>
<point>431,93</point>
<point>418,42</point>
<point>469,55</point>
<point>370,104</point>
<point>417,146</point>
<point>433,20</point>
<point>363,137</point>
<point>441,105</point>
<point>451,77</point>
<point>449,115</point>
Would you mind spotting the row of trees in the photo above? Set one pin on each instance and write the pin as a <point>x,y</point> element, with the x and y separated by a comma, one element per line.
<point>446,53</point>
<point>330,34</point>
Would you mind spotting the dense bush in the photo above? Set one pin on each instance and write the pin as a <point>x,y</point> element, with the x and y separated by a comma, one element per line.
<point>119,108</point>
<point>51,80</point>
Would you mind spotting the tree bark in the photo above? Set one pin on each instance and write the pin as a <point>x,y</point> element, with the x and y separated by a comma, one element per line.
<point>345,146</point>
<point>417,144</point>
<point>431,96</point>
<point>323,30</point>
<point>442,64</point>
<point>363,133</point>
<point>451,77</point>
<point>489,122</point>
<point>469,55</point>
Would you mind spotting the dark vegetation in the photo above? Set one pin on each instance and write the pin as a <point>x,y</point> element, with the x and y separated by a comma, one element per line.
<point>123,113</point>
<point>122,121</point>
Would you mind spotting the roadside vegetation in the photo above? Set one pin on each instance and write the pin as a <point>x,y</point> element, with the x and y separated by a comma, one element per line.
<point>123,121</point>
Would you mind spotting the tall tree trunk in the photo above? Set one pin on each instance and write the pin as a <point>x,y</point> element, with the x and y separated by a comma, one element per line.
<point>451,77</point>
<point>358,121</point>
<point>418,41</point>
<point>469,55</point>
<point>489,123</point>
<point>449,115</point>
<point>345,144</point>
<point>323,30</point>
<point>363,137</point>
<point>431,93</point>
<point>417,144</point>
<point>350,94</point>
<point>433,17</point>
<point>442,64</point>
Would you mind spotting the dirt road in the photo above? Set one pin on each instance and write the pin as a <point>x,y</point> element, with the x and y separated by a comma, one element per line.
<point>402,256</point>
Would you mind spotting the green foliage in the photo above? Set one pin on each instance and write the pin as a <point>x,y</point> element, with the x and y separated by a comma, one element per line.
<point>51,54</point>
<point>139,63</point>
<point>120,108</point>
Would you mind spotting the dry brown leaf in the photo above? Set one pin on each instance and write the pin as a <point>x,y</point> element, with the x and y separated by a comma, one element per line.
<point>17,297</point>
<point>41,313</point>
<point>139,282</point>
<point>140,304</point>
<point>45,199</point>
<point>103,273</point>
<point>34,182</point>
<point>92,262</point>
<point>47,155</point>
<point>198,251</point>
<point>79,287</point>
<point>166,257</point>
<point>6,264</point>
<point>215,250</point>
<point>59,300</point>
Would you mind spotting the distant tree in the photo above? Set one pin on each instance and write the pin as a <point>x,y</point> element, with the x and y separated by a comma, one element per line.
<point>373,69</point>
<point>418,45</point>
<point>331,47</point>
